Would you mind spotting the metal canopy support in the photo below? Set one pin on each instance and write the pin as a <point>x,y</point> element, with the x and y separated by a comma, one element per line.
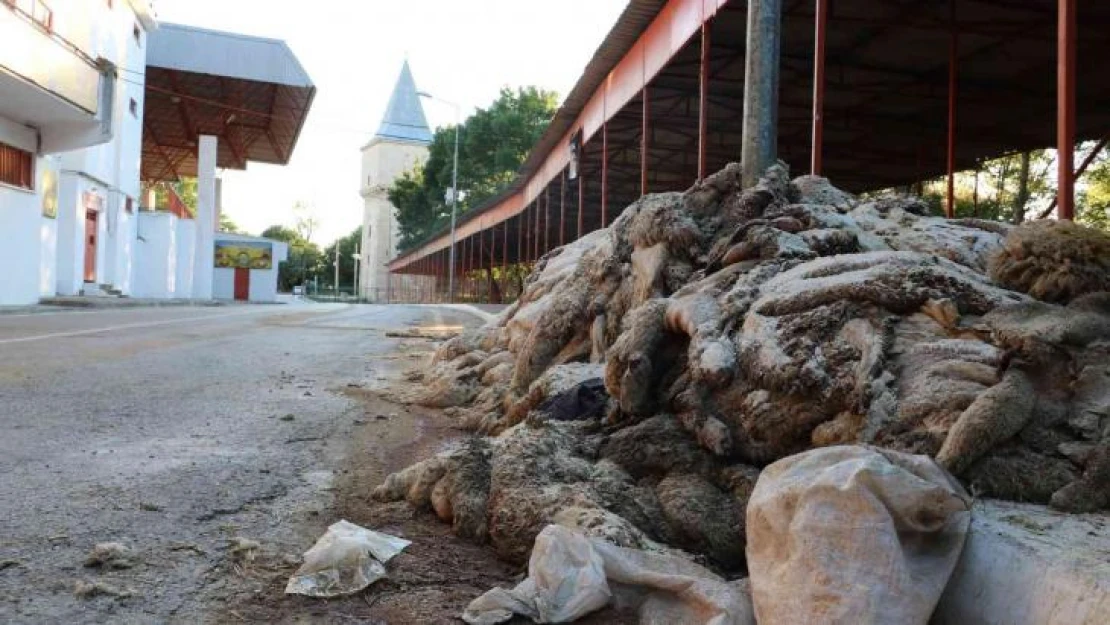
<point>953,59</point>
<point>562,208</point>
<point>547,218</point>
<point>817,146</point>
<point>1065,109</point>
<point>703,98</point>
<point>761,89</point>
<point>581,201</point>
<point>604,174</point>
<point>644,140</point>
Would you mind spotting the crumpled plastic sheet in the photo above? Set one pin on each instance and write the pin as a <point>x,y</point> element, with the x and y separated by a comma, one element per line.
<point>346,559</point>
<point>571,575</point>
<point>840,535</point>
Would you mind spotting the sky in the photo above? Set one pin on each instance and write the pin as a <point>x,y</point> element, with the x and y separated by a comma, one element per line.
<point>463,51</point>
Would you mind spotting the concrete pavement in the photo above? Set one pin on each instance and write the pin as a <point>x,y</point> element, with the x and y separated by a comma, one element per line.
<point>172,430</point>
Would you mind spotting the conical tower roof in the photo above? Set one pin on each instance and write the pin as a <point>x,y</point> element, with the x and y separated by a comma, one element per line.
<point>404,117</point>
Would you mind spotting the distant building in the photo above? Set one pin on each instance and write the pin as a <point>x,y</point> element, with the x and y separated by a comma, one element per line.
<point>401,144</point>
<point>71,104</point>
<point>247,267</point>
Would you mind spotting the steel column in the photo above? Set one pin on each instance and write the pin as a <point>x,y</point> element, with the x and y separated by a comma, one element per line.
<point>1065,108</point>
<point>703,98</point>
<point>581,201</point>
<point>953,58</point>
<point>604,174</point>
<point>547,218</point>
<point>562,208</point>
<point>761,89</point>
<point>536,229</point>
<point>816,148</point>
<point>644,142</point>
<point>504,256</point>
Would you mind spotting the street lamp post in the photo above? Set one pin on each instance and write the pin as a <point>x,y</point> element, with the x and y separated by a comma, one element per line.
<point>454,196</point>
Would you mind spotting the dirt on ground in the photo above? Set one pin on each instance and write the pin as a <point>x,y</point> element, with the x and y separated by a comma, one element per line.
<point>434,579</point>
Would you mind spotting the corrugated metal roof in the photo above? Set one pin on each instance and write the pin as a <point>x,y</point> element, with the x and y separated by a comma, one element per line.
<point>203,51</point>
<point>404,117</point>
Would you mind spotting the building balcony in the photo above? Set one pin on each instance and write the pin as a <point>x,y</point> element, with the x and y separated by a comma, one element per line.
<point>49,83</point>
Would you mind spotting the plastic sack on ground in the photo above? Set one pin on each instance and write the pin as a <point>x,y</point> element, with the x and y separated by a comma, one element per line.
<point>346,559</point>
<point>571,575</point>
<point>853,535</point>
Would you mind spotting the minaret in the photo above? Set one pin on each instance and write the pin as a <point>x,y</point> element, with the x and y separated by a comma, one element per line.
<point>400,145</point>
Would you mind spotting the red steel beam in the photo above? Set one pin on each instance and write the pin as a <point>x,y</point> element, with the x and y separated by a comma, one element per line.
<point>820,28</point>
<point>703,98</point>
<point>675,24</point>
<point>645,125</point>
<point>953,54</point>
<point>1065,109</point>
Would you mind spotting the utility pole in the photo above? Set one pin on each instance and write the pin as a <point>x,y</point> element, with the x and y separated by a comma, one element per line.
<point>358,261</point>
<point>337,270</point>
<point>454,193</point>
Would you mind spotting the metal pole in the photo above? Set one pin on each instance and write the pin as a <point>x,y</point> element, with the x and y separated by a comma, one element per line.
<point>644,126</point>
<point>761,89</point>
<point>953,57</point>
<point>337,270</point>
<point>547,218</point>
<point>703,98</point>
<point>604,173</point>
<point>818,145</point>
<point>1065,109</point>
<point>520,238</point>
<point>358,261</point>
<point>581,200</point>
<point>562,207</point>
<point>536,223</point>
<point>504,256</point>
<point>454,205</point>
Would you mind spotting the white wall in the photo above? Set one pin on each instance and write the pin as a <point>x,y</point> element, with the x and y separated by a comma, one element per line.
<point>20,255</point>
<point>155,255</point>
<point>20,228</point>
<point>186,236</point>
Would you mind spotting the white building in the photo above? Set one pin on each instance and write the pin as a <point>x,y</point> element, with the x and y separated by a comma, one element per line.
<point>89,106</point>
<point>401,144</point>
<point>71,106</point>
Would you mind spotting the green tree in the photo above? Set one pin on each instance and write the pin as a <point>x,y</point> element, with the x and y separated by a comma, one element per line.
<point>1093,205</point>
<point>228,225</point>
<point>493,144</point>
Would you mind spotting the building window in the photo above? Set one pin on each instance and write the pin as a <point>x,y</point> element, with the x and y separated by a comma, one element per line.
<point>134,108</point>
<point>138,34</point>
<point>129,205</point>
<point>16,167</point>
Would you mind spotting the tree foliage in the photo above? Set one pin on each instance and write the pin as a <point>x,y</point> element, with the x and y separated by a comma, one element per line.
<point>305,261</point>
<point>493,143</point>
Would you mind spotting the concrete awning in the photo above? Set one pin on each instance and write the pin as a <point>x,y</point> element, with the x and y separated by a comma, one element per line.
<point>250,92</point>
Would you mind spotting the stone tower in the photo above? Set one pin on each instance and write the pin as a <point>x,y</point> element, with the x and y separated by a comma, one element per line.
<point>400,144</point>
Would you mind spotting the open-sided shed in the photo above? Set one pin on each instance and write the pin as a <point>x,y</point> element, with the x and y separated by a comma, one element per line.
<point>871,93</point>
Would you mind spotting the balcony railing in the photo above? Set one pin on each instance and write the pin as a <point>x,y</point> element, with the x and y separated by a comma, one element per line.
<point>33,50</point>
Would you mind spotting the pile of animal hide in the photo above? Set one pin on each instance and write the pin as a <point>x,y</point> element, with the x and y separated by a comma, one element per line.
<point>731,327</point>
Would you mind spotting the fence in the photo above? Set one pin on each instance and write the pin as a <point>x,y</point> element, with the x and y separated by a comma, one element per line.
<point>423,290</point>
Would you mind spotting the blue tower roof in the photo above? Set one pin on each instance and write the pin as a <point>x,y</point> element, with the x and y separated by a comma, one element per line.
<point>404,117</point>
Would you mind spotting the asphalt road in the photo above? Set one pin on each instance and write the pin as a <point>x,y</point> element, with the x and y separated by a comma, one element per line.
<point>173,431</point>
